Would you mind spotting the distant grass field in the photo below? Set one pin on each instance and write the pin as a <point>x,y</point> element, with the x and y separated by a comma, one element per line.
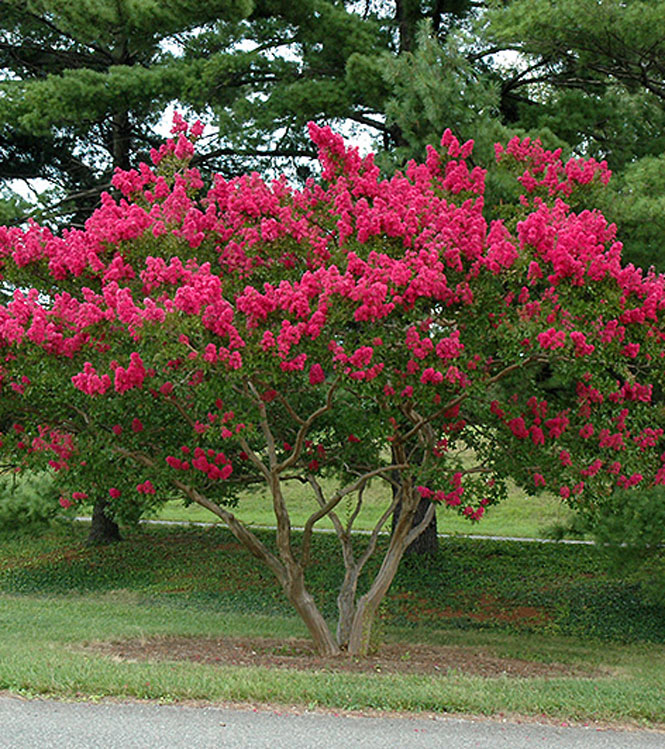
<point>519,516</point>
<point>539,602</point>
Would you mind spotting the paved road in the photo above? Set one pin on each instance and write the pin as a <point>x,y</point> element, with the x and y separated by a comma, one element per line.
<point>46,724</point>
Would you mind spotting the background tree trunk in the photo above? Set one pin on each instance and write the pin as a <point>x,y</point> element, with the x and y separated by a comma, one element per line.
<point>427,542</point>
<point>103,530</point>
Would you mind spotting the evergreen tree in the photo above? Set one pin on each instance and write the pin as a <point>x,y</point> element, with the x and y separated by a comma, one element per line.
<point>83,86</point>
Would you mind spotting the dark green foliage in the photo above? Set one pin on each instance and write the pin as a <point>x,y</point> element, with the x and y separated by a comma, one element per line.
<point>637,206</point>
<point>12,206</point>
<point>434,87</point>
<point>632,535</point>
<point>84,85</point>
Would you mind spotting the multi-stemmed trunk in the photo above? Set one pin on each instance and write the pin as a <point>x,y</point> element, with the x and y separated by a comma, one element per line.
<point>356,615</point>
<point>304,604</point>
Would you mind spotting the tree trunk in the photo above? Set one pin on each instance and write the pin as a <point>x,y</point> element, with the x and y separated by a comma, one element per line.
<point>318,629</point>
<point>407,15</point>
<point>427,542</point>
<point>121,139</point>
<point>361,630</point>
<point>346,606</point>
<point>103,530</point>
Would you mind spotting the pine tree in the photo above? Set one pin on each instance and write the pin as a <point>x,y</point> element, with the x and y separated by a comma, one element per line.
<point>83,86</point>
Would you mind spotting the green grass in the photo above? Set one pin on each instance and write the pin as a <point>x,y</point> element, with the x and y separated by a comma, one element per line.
<point>539,602</point>
<point>519,516</point>
<point>38,656</point>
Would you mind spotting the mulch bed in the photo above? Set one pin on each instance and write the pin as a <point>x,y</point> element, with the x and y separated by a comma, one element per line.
<point>298,654</point>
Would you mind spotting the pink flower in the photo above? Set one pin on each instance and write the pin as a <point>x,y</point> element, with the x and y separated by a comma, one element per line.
<point>166,388</point>
<point>537,435</point>
<point>316,375</point>
<point>518,427</point>
<point>586,431</point>
<point>552,339</point>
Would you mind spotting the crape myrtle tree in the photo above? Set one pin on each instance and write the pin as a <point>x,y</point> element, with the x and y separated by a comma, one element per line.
<point>359,328</point>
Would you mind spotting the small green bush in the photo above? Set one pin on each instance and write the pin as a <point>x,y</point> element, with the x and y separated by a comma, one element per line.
<point>632,533</point>
<point>28,502</point>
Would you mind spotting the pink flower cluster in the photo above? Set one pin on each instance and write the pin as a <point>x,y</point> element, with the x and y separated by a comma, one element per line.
<point>208,462</point>
<point>545,170</point>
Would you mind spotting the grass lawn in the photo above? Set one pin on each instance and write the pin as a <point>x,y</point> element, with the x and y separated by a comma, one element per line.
<point>520,516</point>
<point>541,603</point>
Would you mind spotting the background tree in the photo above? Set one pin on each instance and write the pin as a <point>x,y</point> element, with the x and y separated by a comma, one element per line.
<point>84,86</point>
<point>578,75</point>
<point>262,333</point>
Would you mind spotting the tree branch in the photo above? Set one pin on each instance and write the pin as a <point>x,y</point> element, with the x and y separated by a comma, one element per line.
<point>327,507</point>
<point>302,432</point>
<point>463,396</point>
<point>243,534</point>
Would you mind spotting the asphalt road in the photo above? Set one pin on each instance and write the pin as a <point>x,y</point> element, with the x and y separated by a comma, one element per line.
<point>47,724</point>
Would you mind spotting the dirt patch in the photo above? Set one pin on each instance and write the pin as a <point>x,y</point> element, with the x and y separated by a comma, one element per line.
<point>298,654</point>
<point>486,609</point>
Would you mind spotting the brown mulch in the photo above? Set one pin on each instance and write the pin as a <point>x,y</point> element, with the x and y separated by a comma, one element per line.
<point>298,654</point>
